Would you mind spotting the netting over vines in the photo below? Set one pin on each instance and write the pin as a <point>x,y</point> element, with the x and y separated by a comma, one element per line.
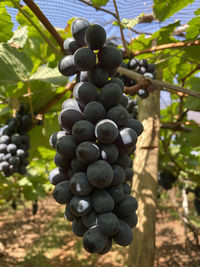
<point>60,11</point>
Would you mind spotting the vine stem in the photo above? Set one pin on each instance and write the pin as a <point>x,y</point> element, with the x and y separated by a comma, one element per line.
<point>165,46</point>
<point>30,101</point>
<point>120,26</point>
<point>99,8</point>
<point>144,82</point>
<point>49,42</point>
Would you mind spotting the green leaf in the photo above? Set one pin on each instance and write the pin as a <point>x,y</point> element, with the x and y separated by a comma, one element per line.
<point>197,12</point>
<point>140,43</point>
<point>23,21</point>
<point>163,36</point>
<point>192,103</point>
<point>164,9</point>
<point>8,3</point>
<point>49,75</point>
<point>47,154</point>
<point>194,28</point>
<point>19,37</point>
<point>98,3</point>
<point>14,65</point>
<point>6,25</point>
<point>130,23</point>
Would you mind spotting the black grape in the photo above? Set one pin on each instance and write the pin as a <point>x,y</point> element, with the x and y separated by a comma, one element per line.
<point>78,227</point>
<point>118,175</point>
<point>62,193</point>
<point>79,184</point>
<point>80,205</point>
<point>109,152</point>
<point>78,166</point>
<point>94,111</point>
<point>87,152</point>
<point>66,146</point>
<point>70,45</point>
<point>56,176</point>
<point>117,193</point>
<point>85,92</point>
<point>106,131</point>
<point>100,174</point>
<point>135,125</point>
<point>95,36</point>
<point>94,240</point>
<point>90,219</point>
<point>109,57</point>
<point>124,235</point>
<point>84,59</point>
<point>83,131</point>
<point>108,223</point>
<point>66,66</point>
<point>126,207</point>
<point>126,139</point>
<point>143,93</point>
<point>68,213</point>
<point>62,162</point>
<point>110,95</point>
<point>102,201</point>
<point>119,115</point>
<point>131,220</point>
<point>98,76</point>
<point>68,117</point>
<point>71,103</point>
<point>78,29</point>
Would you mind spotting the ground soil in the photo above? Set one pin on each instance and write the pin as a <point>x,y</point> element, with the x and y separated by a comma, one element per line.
<point>46,240</point>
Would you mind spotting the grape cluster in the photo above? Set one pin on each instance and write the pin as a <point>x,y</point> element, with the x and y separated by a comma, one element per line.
<point>166,179</point>
<point>132,108</point>
<point>14,144</point>
<point>196,192</point>
<point>94,145</point>
<point>142,67</point>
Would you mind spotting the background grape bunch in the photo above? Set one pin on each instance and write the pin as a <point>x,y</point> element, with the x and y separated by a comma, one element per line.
<point>166,179</point>
<point>142,67</point>
<point>14,144</point>
<point>95,143</point>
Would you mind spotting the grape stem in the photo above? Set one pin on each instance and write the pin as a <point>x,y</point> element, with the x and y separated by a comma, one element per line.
<point>99,8</point>
<point>145,82</point>
<point>120,26</point>
<point>165,46</point>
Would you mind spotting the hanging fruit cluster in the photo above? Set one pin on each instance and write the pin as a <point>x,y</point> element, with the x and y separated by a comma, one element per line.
<point>95,144</point>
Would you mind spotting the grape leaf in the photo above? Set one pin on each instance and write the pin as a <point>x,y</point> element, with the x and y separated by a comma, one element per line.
<point>98,3</point>
<point>14,65</point>
<point>19,37</point>
<point>49,75</point>
<point>164,9</point>
<point>192,103</point>
<point>6,25</point>
<point>194,28</point>
<point>163,36</point>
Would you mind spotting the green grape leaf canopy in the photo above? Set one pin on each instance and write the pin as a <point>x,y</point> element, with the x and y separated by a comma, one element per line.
<point>164,9</point>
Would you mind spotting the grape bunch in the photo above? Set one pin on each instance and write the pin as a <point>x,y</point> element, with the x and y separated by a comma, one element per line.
<point>166,179</point>
<point>94,147</point>
<point>196,201</point>
<point>142,67</point>
<point>14,144</point>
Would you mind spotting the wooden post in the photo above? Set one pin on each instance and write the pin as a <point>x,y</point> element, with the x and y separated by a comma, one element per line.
<point>142,249</point>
